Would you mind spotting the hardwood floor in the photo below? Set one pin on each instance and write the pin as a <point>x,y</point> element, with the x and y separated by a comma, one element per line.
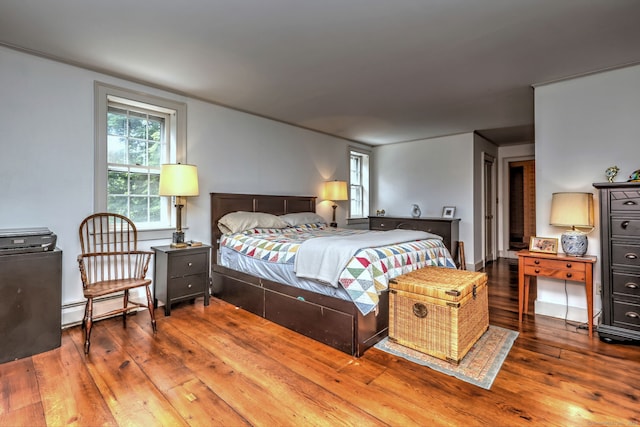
<point>218,365</point>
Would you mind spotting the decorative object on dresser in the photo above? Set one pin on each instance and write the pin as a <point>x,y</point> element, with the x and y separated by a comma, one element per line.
<point>611,173</point>
<point>620,240</point>
<point>447,228</point>
<point>179,181</point>
<point>564,267</point>
<point>415,211</point>
<point>181,274</point>
<point>572,210</point>
<point>448,211</point>
<point>635,176</point>
<point>335,191</point>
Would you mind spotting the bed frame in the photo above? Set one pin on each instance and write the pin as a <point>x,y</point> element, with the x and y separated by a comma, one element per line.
<point>330,320</point>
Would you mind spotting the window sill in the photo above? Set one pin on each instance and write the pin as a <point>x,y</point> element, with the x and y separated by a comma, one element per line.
<point>157,233</point>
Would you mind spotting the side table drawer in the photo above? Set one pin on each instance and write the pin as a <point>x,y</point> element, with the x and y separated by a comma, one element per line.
<point>552,264</point>
<point>183,265</point>
<point>382,224</point>
<point>182,287</point>
<point>578,275</point>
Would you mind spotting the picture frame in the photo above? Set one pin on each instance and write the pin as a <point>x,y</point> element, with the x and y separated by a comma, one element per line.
<point>547,245</point>
<point>448,211</point>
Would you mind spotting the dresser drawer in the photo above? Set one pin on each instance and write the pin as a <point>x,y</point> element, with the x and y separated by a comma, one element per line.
<point>182,287</point>
<point>628,201</point>
<point>626,255</point>
<point>383,224</point>
<point>626,284</point>
<point>187,264</point>
<point>626,315</point>
<point>625,227</point>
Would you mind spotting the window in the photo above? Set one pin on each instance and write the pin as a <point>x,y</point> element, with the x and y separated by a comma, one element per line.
<point>358,183</point>
<point>135,135</point>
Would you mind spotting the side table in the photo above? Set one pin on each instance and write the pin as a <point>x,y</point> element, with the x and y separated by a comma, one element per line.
<point>181,274</point>
<point>539,264</point>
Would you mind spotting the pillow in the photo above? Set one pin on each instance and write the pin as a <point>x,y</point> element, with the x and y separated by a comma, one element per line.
<point>301,218</point>
<point>236,222</point>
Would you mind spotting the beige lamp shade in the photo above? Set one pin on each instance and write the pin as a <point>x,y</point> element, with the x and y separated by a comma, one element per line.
<point>335,190</point>
<point>178,180</point>
<point>572,210</point>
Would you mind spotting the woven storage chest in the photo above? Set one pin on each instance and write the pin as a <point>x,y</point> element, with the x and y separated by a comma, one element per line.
<point>439,311</point>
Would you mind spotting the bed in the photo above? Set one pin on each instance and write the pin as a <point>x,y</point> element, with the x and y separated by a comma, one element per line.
<point>330,317</point>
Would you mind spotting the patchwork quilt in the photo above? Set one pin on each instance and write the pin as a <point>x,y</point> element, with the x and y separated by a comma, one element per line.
<point>367,273</point>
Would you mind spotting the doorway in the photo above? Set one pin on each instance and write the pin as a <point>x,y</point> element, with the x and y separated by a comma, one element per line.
<point>522,203</point>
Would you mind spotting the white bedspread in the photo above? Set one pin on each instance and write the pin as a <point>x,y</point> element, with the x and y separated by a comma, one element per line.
<point>324,258</point>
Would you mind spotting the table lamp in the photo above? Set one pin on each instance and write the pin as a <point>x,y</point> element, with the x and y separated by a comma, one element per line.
<point>178,181</point>
<point>335,191</point>
<point>572,210</point>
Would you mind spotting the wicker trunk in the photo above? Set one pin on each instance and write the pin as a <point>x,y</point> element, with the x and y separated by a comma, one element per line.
<point>439,311</point>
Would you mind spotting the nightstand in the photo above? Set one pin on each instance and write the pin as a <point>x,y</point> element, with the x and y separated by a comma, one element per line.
<point>564,267</point>
<point>181,274</point>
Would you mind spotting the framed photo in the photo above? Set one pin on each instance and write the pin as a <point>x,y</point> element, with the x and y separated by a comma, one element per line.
<point>548,245</point>
<point>448,211</point>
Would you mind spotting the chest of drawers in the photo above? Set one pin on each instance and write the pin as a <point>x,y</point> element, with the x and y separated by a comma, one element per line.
<point>181,274</point>
<point>620,238</point>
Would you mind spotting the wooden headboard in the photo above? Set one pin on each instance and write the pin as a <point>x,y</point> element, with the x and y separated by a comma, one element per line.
<point>223,203</point>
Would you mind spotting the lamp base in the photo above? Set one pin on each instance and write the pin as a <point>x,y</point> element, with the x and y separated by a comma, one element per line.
<point>178,240</point>
<point>574,243</point>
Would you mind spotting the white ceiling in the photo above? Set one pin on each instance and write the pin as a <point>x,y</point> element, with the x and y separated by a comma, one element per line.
<point>375,71</point>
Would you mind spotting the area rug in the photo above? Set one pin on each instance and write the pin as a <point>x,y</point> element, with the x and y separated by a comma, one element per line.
<point>480,365</point>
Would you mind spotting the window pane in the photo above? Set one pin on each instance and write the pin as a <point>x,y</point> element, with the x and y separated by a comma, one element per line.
<point>154,154</point>
<point>116,122</point>
<point>137,125</point>
<point>154,183</point>
<point>138,184</point>
<point>139,209</point>
<point>118,182</point>
<point>155,130</point>
<point>137,152</point>
<point>116,149</point>
<point>118,204</point>
<point>154,209</point>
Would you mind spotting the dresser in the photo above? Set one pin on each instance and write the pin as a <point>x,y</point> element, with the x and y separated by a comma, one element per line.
<point>447,228</point>
<point>620,240</point>
<point>181,274</point>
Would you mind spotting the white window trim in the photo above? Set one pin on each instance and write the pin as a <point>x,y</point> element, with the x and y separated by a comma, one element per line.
<point>102,93</point>
<point>367,202</point>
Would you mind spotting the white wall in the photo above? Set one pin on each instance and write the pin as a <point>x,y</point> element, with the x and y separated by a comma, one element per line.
<point>431,173</point>
<point>47,154</point>
<point>583,126</point>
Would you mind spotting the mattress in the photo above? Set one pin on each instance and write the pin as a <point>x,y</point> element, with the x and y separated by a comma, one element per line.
<point>271,254</point>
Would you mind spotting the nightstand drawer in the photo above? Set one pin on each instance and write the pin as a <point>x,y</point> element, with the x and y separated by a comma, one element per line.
<point>187,264</point>
<point>182,287</point>
<point>564,274</point>
<point>382,224</point>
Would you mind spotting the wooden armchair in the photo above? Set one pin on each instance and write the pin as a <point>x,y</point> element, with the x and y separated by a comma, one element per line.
<point>111,263</point>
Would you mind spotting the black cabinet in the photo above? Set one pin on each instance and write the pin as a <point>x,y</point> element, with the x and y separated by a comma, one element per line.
<point>181,274</point>
<point>620,239</point>
<point>447,228</point>
<point>30,304</point>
